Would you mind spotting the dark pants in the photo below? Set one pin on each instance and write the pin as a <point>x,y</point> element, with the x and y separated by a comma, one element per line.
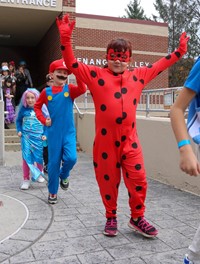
<point>45,155</point>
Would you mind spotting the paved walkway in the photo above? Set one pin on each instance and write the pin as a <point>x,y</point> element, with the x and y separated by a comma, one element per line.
<point>70,232</point>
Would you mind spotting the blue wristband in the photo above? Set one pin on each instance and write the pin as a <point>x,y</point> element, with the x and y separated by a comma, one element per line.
<point>183,143</point>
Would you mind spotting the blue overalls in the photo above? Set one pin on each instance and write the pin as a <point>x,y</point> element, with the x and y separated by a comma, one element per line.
<point>61,137</point>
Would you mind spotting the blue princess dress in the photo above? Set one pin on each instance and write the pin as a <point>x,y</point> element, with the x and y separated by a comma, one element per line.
<point>31,140</point>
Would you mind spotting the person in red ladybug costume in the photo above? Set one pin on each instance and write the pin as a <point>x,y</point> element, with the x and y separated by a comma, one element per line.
<point>116,92</point>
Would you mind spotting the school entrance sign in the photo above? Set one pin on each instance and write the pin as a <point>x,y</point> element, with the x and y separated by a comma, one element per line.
<point>38,4</point>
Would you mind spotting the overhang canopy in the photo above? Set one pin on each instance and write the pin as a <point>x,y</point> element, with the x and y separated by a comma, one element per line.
<point>25,25</point>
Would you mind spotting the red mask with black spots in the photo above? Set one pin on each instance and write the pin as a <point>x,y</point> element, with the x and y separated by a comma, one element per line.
<point>118,55</point>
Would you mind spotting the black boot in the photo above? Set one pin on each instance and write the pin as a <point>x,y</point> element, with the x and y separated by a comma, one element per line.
<point>6,126</point>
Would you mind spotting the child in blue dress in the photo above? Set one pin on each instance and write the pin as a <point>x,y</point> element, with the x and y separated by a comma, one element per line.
<point>32,135</point>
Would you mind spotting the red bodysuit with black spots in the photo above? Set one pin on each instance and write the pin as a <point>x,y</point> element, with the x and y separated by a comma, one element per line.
<point>116,147</point>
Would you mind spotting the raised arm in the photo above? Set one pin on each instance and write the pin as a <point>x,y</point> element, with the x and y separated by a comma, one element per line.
<point>151,71</point>
<point>80,70</point>
<point>66,27</point>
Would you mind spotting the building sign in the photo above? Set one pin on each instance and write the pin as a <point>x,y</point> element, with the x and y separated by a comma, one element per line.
<point>103,62</point>
<point>42,4</point>
<point>137,64</point>
<point>98,62</point>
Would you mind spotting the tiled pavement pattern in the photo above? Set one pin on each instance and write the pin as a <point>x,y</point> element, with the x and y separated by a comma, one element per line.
<point>70,232</point>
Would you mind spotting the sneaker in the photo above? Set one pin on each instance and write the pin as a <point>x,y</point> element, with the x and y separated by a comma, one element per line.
<point>111,227</point>
<point>52,199</point>
<point>25,185</point>
<point>187,261</point>
<point>64,184</point>
<point>143,227</point>
<point>40,179</point>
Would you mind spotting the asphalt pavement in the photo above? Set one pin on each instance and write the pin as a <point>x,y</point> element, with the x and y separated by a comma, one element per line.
<point>70,232</point>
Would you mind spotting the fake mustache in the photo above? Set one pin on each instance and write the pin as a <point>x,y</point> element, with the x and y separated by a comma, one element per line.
<point>63,78</point>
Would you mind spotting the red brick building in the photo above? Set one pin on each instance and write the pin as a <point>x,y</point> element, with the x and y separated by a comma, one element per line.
<point>91,35</point>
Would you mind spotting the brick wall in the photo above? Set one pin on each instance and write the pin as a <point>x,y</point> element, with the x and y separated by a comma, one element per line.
<point>94,38</point>
<point>90,38</point>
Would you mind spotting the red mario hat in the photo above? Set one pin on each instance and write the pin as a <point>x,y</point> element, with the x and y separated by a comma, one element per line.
<point>58,65</point>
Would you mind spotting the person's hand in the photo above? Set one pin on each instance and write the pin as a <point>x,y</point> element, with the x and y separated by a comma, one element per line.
<point>183,43</point>
<point>21,70</point>
<point>44,138</point>
<point>188,161</point>
<point>65,27</point>
<point>1,203</point>
<point>19,134</point>
<point>48,121</point>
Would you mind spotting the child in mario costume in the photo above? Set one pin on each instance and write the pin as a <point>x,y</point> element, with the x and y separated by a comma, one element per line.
<point>116,92</point>
<point>60,126</point>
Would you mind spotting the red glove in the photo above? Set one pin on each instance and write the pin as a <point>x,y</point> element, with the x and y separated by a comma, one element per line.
<point>183,43</point>
<point>65,28</point>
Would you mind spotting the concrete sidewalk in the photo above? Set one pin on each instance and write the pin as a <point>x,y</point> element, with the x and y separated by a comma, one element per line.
<point>32,231</point>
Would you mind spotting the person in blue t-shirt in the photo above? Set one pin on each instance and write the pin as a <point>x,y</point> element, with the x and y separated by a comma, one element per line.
<point>188,160</point>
